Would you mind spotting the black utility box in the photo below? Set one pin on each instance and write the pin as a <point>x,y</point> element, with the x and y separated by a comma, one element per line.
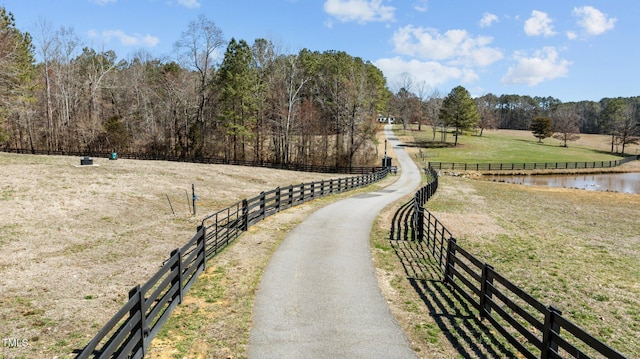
<point>87,161</point>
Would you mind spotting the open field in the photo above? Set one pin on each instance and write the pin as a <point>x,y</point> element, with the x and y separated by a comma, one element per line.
<point>75,239</point>
<point>507,146</point>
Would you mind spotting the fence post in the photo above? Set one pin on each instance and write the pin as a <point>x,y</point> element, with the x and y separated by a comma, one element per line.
<point>203,239</point>
<point>485,293</point>
<point>451,253</point>
<point>420,223</point>
<point>217,232</point>
<point>550,324</point>
<point>313,190</point>
<point>262,209</point>
<point>245,215</point>
<point>278,199</point>
<point>179,279</point>
<point>243,222</point>
<point>141,325</point>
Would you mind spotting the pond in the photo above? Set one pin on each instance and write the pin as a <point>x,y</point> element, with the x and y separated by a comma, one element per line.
<point>614,182</point>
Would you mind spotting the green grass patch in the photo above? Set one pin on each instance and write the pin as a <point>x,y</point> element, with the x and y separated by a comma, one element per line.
<point>501,147</point>
<point>430,331</point>
<point>212,289</point>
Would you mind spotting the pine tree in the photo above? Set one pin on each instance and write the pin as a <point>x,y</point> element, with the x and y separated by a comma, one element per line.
<point>542,127</point>
<point>17,72</point>
<point>459,111</point>
<point>236,81</point>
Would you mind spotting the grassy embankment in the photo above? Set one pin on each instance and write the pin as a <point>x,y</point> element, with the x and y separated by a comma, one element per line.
<point>576,250</point>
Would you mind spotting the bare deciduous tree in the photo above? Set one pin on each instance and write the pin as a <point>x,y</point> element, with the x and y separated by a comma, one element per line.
<point>487,107</point>
<point>197,49</point>
<point>565,125</point>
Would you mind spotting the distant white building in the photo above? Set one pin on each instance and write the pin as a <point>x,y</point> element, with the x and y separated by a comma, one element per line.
<point>383,119</point>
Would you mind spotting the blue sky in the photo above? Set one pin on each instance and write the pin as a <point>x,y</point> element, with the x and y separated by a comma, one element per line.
<point>571,50</point>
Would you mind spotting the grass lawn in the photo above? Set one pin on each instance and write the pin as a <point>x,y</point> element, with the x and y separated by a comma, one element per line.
<point>507,146</point>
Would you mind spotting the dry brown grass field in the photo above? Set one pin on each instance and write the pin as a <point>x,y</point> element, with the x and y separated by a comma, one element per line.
<point>76,239</point>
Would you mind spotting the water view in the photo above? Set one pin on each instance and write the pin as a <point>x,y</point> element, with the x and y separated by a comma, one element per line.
<point>614,182</point>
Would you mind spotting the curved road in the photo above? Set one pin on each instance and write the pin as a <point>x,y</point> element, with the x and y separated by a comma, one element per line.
<point>319,297</point>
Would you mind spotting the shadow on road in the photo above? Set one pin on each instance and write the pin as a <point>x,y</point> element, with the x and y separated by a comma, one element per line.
<point>470,336</point>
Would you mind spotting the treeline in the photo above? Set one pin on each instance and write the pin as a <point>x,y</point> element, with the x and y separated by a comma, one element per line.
<point>513,112</point>
<point>616,117</point>
<point>517,112</point>
<point>256,103</point>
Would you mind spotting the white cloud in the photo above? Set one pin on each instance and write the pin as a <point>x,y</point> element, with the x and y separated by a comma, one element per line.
<point>189,4</point>
<point>429,72</point>
<point>543,65</point>
<point>457,47</point>
<point>125,39</point>
<point>538,24</point>
<point>361,11</point>
<point>421,6</point>
<point>571,35</point>
<point>593,20</point>
<point>488,19</point>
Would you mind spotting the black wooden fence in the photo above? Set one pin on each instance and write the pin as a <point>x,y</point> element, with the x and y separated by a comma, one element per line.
<point>130,331</point>
<point>535,330</point>
<point>528,166</point>
<point>207,160</point>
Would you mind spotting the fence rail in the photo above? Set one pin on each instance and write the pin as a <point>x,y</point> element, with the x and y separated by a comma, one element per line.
<point>534,330</point>
<point>206,160</point>
<point>130,331</point>
<point>529,166</point>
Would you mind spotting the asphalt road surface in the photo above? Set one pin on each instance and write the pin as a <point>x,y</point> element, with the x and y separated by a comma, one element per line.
<point>319,297</point>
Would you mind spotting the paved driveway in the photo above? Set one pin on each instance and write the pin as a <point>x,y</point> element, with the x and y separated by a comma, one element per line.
<point>319,297</point>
